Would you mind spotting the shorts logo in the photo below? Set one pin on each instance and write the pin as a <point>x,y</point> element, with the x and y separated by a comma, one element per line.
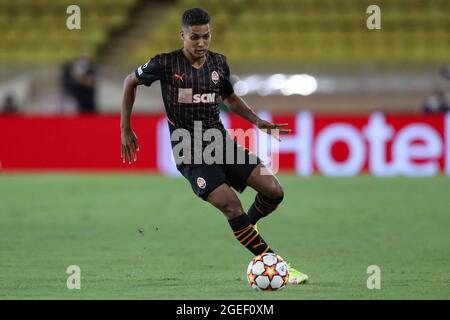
<point>215,77</point>
<point>201,183</point>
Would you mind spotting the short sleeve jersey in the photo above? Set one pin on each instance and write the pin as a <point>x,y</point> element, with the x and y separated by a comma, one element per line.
<point>189,94</point>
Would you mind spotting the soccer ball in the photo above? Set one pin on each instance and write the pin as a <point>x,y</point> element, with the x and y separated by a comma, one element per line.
<point>267,272</point>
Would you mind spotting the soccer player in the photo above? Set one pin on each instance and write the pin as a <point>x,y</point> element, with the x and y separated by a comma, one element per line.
<point>192,79</point>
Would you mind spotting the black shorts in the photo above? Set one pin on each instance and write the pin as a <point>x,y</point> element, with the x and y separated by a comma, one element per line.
<point>204,178</point>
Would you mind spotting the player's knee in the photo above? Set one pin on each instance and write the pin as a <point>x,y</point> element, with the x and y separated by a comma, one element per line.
<point>280,197</point>
<point>276,193</point>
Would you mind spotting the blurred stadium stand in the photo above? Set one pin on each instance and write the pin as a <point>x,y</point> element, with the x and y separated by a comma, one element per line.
<point>315,31</point>
<point>34,32</point>
<point>355,69</point>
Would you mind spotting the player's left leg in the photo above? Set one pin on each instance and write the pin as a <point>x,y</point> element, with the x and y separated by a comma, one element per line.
<point>270,193</point>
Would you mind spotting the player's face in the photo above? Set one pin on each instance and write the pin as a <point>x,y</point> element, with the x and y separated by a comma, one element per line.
<point>196,40</point>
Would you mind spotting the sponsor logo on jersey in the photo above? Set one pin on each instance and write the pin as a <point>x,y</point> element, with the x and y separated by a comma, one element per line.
<point>201,183</point>
<point>185,95</point>
<point>215,77</point>
<point>204,98</point>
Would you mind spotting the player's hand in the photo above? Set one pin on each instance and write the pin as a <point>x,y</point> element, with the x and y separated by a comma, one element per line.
<point>129,145</point>
<point>274,129</point>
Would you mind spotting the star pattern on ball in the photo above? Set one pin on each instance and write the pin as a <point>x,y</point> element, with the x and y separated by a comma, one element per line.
<point>267,272</point>
<point>270,272</point>
<point>251,278</point>
<point>258,258</point>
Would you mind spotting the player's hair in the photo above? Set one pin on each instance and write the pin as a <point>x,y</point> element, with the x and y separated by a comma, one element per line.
<point>195,17</point>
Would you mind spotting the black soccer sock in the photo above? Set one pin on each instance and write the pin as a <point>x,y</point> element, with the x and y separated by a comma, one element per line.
<point>246,234</point>
<point>262,207</point>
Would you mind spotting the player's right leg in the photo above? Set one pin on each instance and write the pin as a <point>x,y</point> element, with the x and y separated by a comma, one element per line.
<point>226,200</point>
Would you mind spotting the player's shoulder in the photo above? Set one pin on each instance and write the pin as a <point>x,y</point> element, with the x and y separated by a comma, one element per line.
<point>218,56</point>
<point>220,62</point>
<point>165,57</point>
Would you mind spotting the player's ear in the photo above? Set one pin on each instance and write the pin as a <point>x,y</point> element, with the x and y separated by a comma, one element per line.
<point>183,32</point>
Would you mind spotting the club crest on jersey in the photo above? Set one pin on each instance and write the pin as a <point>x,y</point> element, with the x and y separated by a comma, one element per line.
<point>215,77</point>
<point>201,183</point>
<point>179,76</point>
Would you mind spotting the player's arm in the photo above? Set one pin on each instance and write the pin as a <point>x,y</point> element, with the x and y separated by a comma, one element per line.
<point>146,75</point>
<point>237,105</point>
<point>128,137</point>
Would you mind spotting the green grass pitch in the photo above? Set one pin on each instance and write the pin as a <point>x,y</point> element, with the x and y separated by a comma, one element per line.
<point>332,229</point>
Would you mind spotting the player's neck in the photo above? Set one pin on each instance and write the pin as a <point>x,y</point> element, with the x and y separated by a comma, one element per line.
<point>196,63</point>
